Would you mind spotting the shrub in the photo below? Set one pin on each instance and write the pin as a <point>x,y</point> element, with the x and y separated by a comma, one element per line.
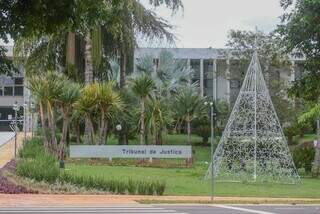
<point>114,185</point>
<point>32,148</point>
<point>132,187</point>
<point>159,187</point>
<point>42,168</point>
<point>203,129</point>
<point>142,188</point>
<point>303,156</point>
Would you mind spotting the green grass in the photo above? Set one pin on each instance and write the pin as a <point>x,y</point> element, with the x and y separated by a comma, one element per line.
<point>177,139</point>
<point>189,181</point>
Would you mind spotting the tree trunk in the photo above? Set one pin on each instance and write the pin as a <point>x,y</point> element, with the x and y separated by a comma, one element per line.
<point>88,59</point>
<point>316,164</point>
<point>189,131</point>
<point>158,137</point>
<point>78,133</point>
<point>88,79</point>
<point>71,49</point>
<point>51,123</point>
<point>123,67</point>
<point>43,124</point>
<point>105,132</point>
<point>102,128</point>
<point>62,144</point>
<point>142,126</point>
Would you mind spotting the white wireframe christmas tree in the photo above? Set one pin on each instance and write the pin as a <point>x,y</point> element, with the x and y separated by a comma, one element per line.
<point>253,146</point>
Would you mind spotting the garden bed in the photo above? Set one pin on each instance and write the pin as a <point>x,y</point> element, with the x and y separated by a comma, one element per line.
<point>7,186</point>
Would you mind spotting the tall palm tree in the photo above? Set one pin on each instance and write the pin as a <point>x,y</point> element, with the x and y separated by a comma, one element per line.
<point>66,101</point>
<point>109,103</point>
<point>46,89</point>
<point>142,86</point>
<point>189,105</point>
<point>87,106</point>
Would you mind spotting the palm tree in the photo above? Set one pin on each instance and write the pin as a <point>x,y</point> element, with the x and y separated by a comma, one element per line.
<point>142,86</point>
<point>169,75</point>
<point>189,105</point>
<point>109,103</point>
<point>66,100</point>
<point>87,106</point>
<point>46,89</point>
<point>159,116</point>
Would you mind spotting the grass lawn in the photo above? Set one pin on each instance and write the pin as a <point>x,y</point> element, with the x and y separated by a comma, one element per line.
<point>189,181</point>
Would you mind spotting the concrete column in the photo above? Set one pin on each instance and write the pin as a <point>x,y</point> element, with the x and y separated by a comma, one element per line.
<point>215,81</point>
<point>201,78</point>
<point>293,72</point>
<point>228,76</point>
<point>189,68</point>
<point>135,61</point>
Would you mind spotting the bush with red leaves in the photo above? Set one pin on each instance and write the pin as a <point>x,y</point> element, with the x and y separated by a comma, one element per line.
<point>9,187</point>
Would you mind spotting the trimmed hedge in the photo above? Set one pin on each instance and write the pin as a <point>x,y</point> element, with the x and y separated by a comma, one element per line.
<point>41,168</point>
<point>32,148</point>
<point>115,186</point>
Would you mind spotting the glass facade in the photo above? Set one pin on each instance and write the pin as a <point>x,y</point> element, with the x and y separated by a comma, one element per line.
<point>195,66</point>
<point>11,86</point>
<point>208,77</point>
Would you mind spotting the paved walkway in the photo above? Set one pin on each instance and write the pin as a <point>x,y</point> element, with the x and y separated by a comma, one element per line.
<point>5,137</point>
<point>7,146</point>
<point>43,200</point>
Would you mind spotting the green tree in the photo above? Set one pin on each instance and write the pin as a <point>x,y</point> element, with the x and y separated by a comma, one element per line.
<point>109,103</point>
<point>66,100</point>
<point>46,89</point>
<point>142,86</point>
<point>300,35</point>
<point>189,105</point>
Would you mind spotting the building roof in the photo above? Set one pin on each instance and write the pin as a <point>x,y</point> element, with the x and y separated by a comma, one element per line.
<point>9,50</point>
<point>184,53</point>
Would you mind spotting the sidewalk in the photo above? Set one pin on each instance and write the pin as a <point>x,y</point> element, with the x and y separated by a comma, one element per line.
<point>7,149</point>
<point>31,200</point>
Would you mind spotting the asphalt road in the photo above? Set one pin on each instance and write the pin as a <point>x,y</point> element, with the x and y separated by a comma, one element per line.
<point>5,137</point>
<point>175,209</point>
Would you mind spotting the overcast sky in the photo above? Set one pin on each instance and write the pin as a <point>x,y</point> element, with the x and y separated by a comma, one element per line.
<point>205,23</point>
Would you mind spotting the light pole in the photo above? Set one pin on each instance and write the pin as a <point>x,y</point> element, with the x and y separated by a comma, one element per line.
<point>32,106</point>
<point>24,122</point>
<point>15,108</point>
<point>211,141</point>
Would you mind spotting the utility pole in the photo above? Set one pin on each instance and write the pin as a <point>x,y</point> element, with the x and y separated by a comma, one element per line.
<point>15,108</point>
<point>212,143</point>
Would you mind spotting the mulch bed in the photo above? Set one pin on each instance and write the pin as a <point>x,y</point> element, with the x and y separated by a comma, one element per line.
<point>9,187</point>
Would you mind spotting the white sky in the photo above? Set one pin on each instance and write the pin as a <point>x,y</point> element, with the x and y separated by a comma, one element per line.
<point>206,23</point>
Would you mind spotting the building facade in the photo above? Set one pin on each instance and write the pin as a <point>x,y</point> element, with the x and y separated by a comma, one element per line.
<point>13,91</point>
<point>219,75</point>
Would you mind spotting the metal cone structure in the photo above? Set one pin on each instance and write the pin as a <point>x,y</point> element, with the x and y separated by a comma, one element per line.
<point>253,147</point>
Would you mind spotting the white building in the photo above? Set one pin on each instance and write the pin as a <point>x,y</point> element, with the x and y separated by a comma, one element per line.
<point>219,76</point>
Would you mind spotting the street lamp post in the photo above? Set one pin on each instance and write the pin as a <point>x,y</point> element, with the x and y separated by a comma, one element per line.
<point>211,142</point>
<point>32,112</point>
<point>15,108</point>
<point>24,121</point>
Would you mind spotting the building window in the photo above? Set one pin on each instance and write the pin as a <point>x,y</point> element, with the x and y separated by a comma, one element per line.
<point>8,91</point>
<point>195,66</point>
<point>234,84</point>
<point>156,62</point>
<point>18,81</point>
<point>18,91</point>
<point>11,86</point>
